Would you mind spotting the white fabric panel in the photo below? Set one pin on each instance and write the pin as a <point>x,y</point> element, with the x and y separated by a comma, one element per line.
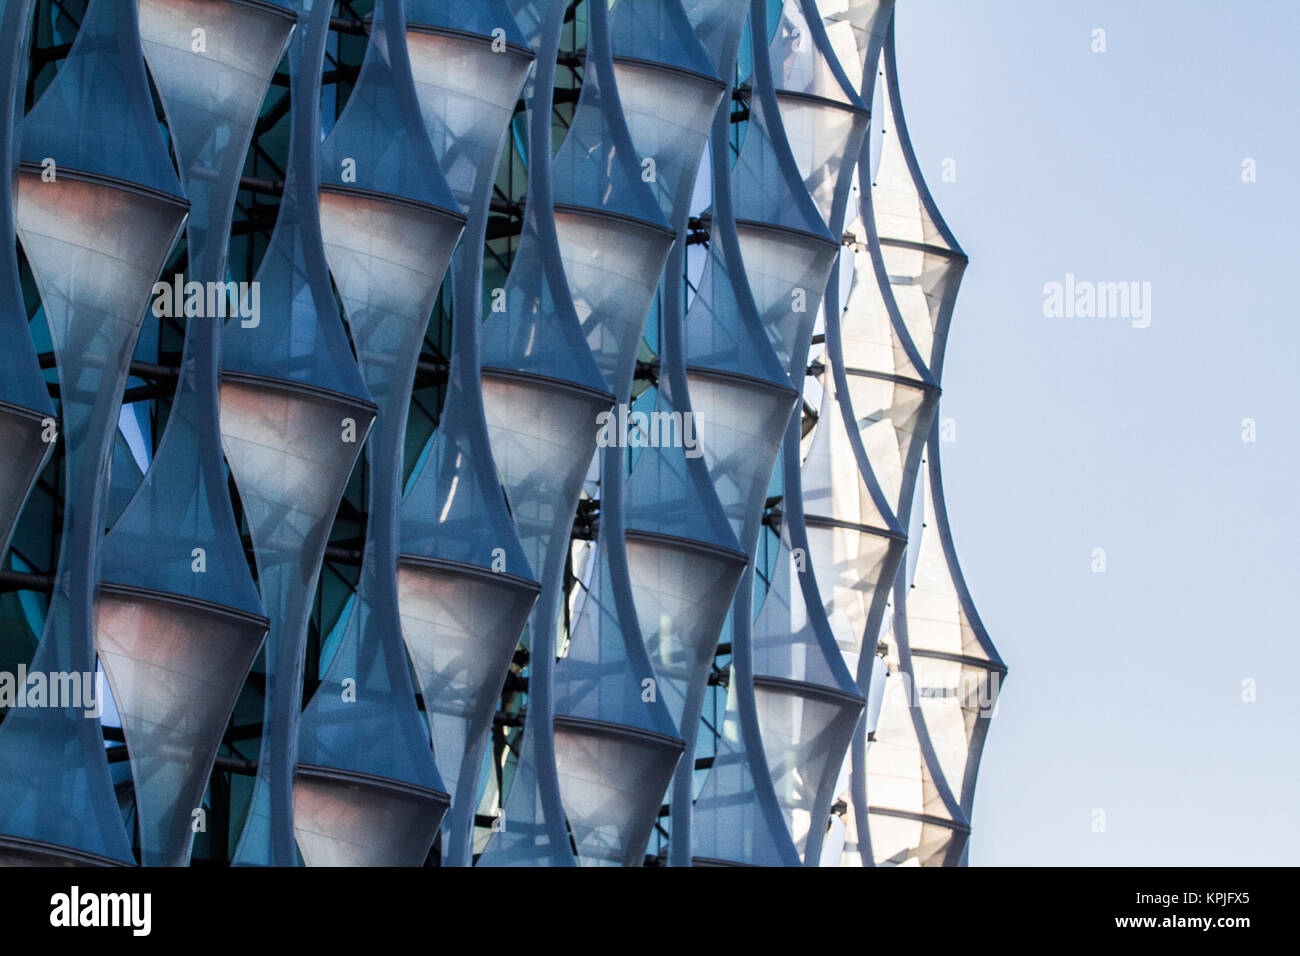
<point>460,628</point>
<point>780,264</point>
<point>819,136</point>
<point>542,436</point>
<point>832,487</point>
<point>288,450</point>
<point>729,825</point>
<point>175,670</point>
<point>935,618</point>
<point>925,288</point>
<point>674,137</point>
<point>804,736</point>
<point>243,47</point>
<point>921,256</point>
<point>612,783</point>
<point>869,339</point>
<point>959,689</point>
<point>339,821</point>
<point>892,417</point>
<point>797,64</point>
<point>852,25</point>
<point>682,596</point>
<point>898,779</point>
<point>467,94</point>
<point>739,425</point>
<point>826,121</point>
<point>384,257</point>
<point>613,267</point>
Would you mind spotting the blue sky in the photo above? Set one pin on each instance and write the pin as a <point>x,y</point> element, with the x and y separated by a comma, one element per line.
<point>1126,687</point>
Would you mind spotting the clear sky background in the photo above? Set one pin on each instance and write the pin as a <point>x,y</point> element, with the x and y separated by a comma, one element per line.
<point>1125,691</point>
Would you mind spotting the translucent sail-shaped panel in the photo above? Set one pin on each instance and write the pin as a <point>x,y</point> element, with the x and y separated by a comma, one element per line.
<point>718,24</point>
<point>723,330</point>
<point>388,230</point>
<point>912,818</point>
<point>612,780</point>
<point>615,745</point>
<point>854,540</point>
<point>807,704</point>
<point>682,593</point>
<point>856,30</point>
<point>211,97</point>
<point>958,671</point>
<point>893,418</point>
<point>806,733</point>
<point>175,665</point>
<point>613,267</point>
<point>823,119</point>
<point>347,819</point>
<point>787,274</point>
<point>465,587</point>
<point>920,255</point>
<point>295,413</point>
<point>740,422</point>
<point>26,416</point>
<point>468,80</point>
<point>461,625</point>
<point>732,826</point>
<point>173,563</point>
<point>98,209</point>
<point>658,60</point>
<point>543,436</point>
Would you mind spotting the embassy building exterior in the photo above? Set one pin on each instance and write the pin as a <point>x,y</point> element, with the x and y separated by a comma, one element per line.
<point>497,433</point>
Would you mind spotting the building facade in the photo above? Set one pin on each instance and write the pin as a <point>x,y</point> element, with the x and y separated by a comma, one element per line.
<point>479,434</point>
